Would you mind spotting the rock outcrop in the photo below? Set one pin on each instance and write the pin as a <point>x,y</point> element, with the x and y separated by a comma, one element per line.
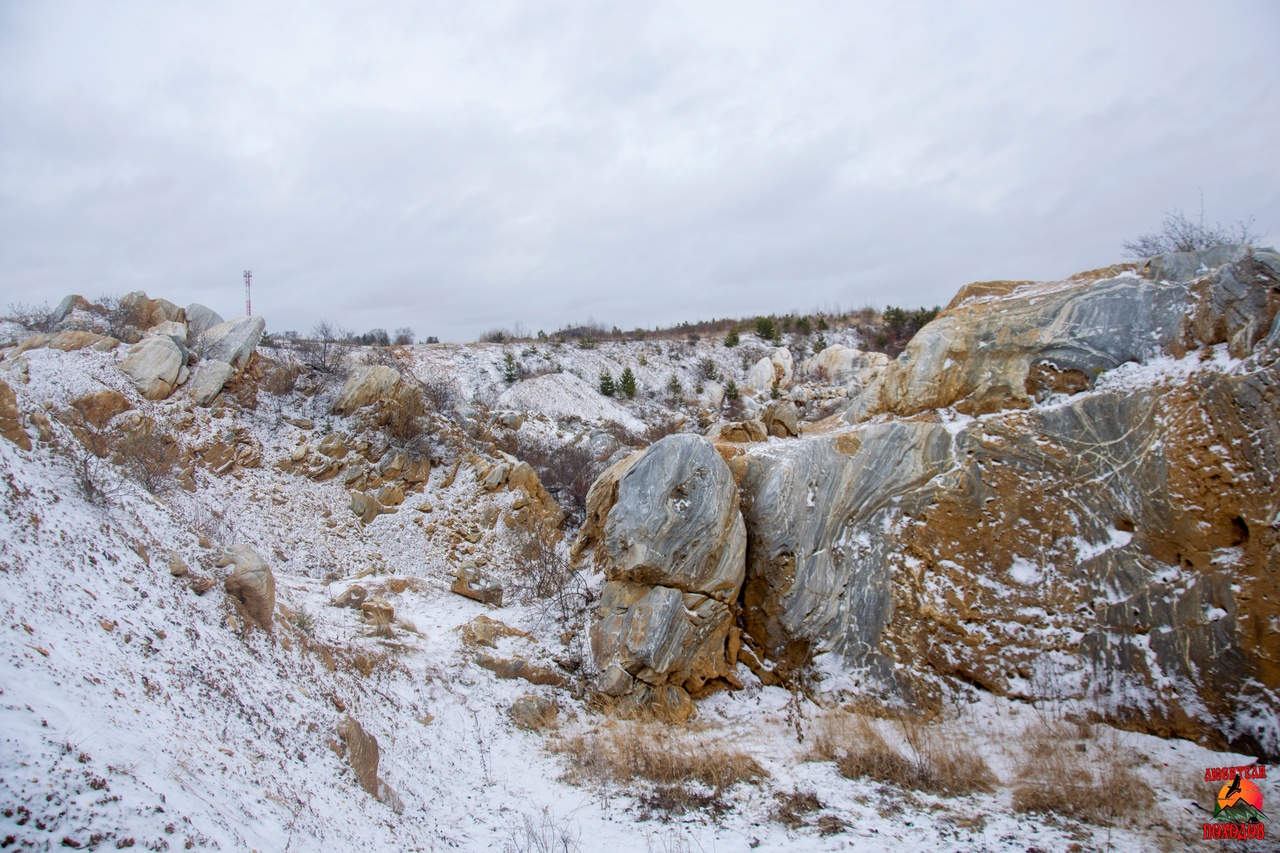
<point>364,755</point>
<point>11,418</point>
<point>233,342</point>
<point>775,369</point>
<point>365,386</point>
<point>665,528</point>
<point>208,380</point>
<point>200,319</point>
<point>156,366</point>
<point>251,583</point>
<point>1069,495</point>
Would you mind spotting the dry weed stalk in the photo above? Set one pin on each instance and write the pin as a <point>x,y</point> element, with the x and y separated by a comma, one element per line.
<point>628,752</point>
<point>935,761</point>
<point>1058,774</point>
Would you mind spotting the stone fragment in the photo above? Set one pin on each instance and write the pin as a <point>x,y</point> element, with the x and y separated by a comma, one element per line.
<point>200,320</point>
<point>251,583</point>
<point>154,366</point>
<point>519,667</point>
<point>367,385</point>
<point>233,342</point>
<point>483,631</point>
<point>364,755</point>
<point>208,380</point>
<point>11,418</point>
<point>97,408</point>
<point>353,596</point>
<point>470,583</point>
<point>177,566</point>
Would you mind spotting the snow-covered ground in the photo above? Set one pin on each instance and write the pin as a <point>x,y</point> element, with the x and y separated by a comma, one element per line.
<point>134,712</point>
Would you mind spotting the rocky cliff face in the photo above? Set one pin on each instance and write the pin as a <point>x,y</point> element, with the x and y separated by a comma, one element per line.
<point>1059,490</point>
<point>667,532</point>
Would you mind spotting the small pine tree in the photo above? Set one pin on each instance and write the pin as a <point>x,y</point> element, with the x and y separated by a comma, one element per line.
<point>820,344</point>
<point>731,390</point>
<point>510,373</point>
<point>674,386</point>
<point>607,386</point>
<point>765,330</point>
<point>775,392</point>
<point>732,339</point>
<point>627,383</point>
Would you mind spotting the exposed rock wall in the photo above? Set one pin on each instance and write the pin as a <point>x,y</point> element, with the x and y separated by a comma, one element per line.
<point>668,534</point>
<point>1102,531</point>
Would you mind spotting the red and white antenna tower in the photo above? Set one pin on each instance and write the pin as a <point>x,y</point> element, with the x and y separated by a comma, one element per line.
<point>248,306</point>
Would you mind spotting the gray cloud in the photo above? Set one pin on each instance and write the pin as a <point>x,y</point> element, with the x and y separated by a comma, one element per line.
<point>458,166</point>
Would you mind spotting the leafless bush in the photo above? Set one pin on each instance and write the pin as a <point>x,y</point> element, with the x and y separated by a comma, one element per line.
<point>543,573</point>
<point>149,454</point>
<point>1178,233</point>
<point>326,350</point>
<point>120,318</point>
<point>541,834</point>
<point>567,472</point>
<point>662,429</point>
<point>31,316</point>
<point>401,418</point>
<point>439,394</point>
<point>87,466</point>
<point>1060,773</point>
<point>281,378</point>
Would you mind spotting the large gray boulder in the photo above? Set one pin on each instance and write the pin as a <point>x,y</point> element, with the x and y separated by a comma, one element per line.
<point>201,319</point>
<point>666,530</point>
<point>233,342</point>
<point>251,583</point>
<point>156,365</point>
<point>1002,345</point>
<point>207,381</point>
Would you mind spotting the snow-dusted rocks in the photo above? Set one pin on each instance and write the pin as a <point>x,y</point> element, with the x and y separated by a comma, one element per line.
<point>200,319</point>
<point>11,419</point>
<point>841,365</point>
<point>233,342</point>
<point>155,366</point>
<point>207,381</point>
<point>774,369</point>
<point>667,532</point>
<point>365,386</point>
<point>364,755</point>
<point>251,583</point>
<point>563,395</point>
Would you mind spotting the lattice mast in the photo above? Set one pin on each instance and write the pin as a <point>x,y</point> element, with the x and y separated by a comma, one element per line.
<point>248,305</point>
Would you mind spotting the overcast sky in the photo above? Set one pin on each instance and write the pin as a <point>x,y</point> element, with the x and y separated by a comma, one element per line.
<point>453,167</point>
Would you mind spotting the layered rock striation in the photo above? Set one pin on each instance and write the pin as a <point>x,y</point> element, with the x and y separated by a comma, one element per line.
<point>1059,490</point>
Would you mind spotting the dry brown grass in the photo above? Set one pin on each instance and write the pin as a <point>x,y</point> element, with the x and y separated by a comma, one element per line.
<point>623,753</point>
<point>794,808</point>
<point>934,761</point>
<point>1061,773</point>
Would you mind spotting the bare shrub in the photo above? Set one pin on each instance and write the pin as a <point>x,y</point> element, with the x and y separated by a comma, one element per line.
<point>1058,775</point>
<point>149,454</point>
<point>120,319</point>
<point>662,429</point>
<point>623,753</point>
<point>31,316</point>
<point>281,378</point>
<point>541,834</point>
<point>87,466</point>
<point>544,573</point>
<point>567,472</point>
<point>439,394</point>
<point>1178,233</point>
<point>326,350</point>
<point>401,417</point>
